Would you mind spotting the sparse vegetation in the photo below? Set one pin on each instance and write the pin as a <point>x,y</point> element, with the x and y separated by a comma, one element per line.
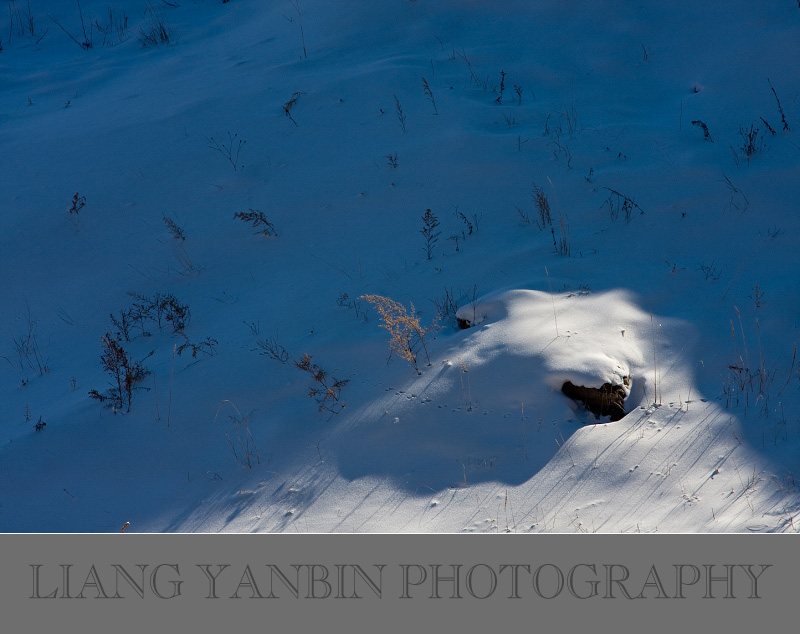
<point>786,127</point>
<point>502,86</point>
<point>407,335</point>
<point>21,20</point>
<point>561,244</point>
<point>737,200</point>
<point>328,392</point>
<point>429,95</point>
<point>469,227</point>
<point>243,445</point>
<point>78,203</point>
<point>757,296</point>
<point>472,74</point>
<point>542,206</point>
<point>271,347</point>
<point>160,309</point>
<point>620,205</point>
<point>524,216</point>
<point>258,220</point>
<point>511,120</point>
<point>746,382</point>
<point>345,301</point>
<point>156,30</point>
<point>115,29</point>
<point>207,346</point>
<point>401,117</point>
<point>711,272</point>
<point>287,107</point>
<point>26,345</point>
<point>174,228</point>
<point>752,141</point>
<point>446,306</point>
<point>230,151</point>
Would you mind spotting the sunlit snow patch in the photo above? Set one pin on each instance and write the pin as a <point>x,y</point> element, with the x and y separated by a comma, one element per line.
<point>527,344</point>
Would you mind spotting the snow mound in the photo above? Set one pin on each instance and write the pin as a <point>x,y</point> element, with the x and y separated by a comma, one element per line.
<point>495,393</point>
<point>530,341</point>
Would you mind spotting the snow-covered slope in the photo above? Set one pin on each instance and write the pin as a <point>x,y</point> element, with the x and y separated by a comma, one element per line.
<point>663,255</point>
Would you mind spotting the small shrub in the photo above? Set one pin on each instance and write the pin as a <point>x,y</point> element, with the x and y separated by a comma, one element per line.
<point>124,374</point>
<point>345,301</point>
<point>542,205</point>
<point>561,245</point>
<point>401,117</point>
<point>407,336</point>
<point>502,86</point>
<point>737,200</point>
<point>757,296</point>
<point>230,151</point>
<point>711,272</point>
<point>174,229</point>
<point>21,23</point>
<point>429,95</point>
<point>511,122</point>
<point>123,324</point>
<point>258,220</point>
<point>174,312</point>
<point>752,141</point>
<point>40,425</point>
<point>157,30</point>
<point>160,309</point>
<point>428,231</point>
<point>26,345</point>
<point>468,226</point>
<point>455,238</point>
<point>177,246</point>
<point>206,346</point>
<point>243,445</point>
<point>271,347</point>
<point>523,215</point>
<point>620,205</point>
<point>786,127</point>
<point>328,394</point>
<point>78,203</point>
<point>287,107</point>
<point>446,306</point>
<point>115,30</point>
<point>752,384</point>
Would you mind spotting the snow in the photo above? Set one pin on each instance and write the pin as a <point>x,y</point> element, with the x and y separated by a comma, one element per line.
<point>693,296</point>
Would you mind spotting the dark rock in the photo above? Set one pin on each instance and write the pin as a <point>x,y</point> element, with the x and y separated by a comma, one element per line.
<point>463,323</point>
<point>607,400</point>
